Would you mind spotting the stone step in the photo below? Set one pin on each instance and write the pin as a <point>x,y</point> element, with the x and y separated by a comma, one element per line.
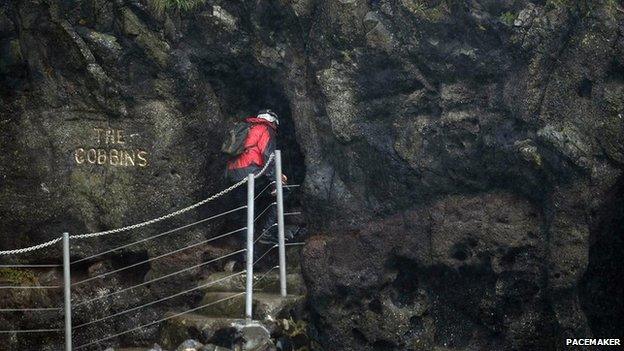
<point>148,348</point>
<point>208,330</point>
<point>198,327</point>
<point>263,282</point>
<point>265,306</point>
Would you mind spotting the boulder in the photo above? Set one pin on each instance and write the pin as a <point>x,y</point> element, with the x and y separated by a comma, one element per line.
<point>253,337</point>
<point>208,330</point>
<point>190,345</point>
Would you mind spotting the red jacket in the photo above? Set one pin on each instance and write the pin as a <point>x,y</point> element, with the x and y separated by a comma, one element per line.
<point>260,143</point>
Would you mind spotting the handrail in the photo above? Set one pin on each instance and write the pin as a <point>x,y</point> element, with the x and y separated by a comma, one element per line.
<point>141,224</point>
<point>67,284</point>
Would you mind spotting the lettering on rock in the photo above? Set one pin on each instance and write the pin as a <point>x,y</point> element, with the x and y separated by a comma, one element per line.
<point>111,150</point>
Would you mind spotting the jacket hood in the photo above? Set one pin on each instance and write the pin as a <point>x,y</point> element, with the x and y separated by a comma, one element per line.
<point>254,119</point>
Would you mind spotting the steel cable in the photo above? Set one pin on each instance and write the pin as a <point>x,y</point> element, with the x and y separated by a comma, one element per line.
<point>263,211</point>
<point>265,275</point>
<point>263,190</point>
<point>265,253</point>
<point>159,278</point>
<point>30,331</point>
<point>157,301</point>
<point>31,287</point>
<point>159,320</point>
<point>158,257</point>
<point>130,227</point>
<point>142,224</point>
<point>274,246</point>
<point>295,244</point>
<point>159,235</point>
<point>263,232</point>
<point>30,309</point>
<point>30,265</point>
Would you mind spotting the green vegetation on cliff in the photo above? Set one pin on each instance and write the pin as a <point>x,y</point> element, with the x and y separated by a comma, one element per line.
<point>508,18</point>
<point>163,5</point>
<point>17,277</point>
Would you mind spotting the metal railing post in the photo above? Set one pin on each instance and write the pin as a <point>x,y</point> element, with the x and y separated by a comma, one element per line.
<point>67,289</point>
<point>280,221</point>
<point>250,246</point>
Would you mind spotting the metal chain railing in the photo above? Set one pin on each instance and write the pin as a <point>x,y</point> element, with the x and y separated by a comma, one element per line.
<point>248,272</point>
<point>31,248</point>
<point>178,212</point>
<point>142,224</point>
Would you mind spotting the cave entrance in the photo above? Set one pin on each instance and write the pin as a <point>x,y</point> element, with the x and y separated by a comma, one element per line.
<point>602,286</point>
<point>243,87</point>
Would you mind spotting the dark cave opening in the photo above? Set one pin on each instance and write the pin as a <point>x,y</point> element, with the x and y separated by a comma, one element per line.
<point>244,87</point>
<point>585,88</point>
<point>602,286</point>
<point>87,269</point>
<point>615,72</point>
<point>406,284</point>
<point>383,345</point>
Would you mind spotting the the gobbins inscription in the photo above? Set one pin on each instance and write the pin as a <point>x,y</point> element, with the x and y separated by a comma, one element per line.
<point>111,150</point>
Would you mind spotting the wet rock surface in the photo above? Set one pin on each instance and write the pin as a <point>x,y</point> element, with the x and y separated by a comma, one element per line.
<point>461,160</point>
<point>431,273</point>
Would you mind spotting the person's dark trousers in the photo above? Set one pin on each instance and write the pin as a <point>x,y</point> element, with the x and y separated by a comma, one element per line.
<point>269,222</point>
<point>263,202</point>
<point>266,223</point>
<point>239,198</point>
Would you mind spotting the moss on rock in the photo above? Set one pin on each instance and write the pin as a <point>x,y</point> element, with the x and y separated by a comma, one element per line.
<point>17,276</point>
<point>156,48</point>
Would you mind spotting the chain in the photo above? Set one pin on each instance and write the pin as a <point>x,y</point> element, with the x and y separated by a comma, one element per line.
<point>266,165</point>
<point>142,224</point>
<point>152,221</point>
<point>178,212</point>
<point>31,248</point>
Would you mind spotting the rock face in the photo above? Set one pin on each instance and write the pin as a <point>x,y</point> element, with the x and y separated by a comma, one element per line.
<point>469,275</point>
<point>461,160</point>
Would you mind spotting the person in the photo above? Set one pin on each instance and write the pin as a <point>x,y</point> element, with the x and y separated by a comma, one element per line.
<point>259,144</point>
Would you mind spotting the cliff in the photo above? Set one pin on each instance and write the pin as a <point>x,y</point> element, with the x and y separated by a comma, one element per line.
<point>461,161</point>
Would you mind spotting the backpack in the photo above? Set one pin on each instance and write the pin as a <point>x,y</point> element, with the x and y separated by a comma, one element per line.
<point>234,143</point>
